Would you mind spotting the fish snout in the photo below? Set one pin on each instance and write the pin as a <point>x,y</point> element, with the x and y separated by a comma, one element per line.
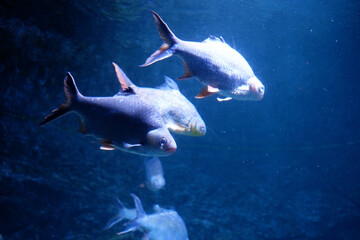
<point>256,88</point>
<point>198,128</point>
<point>161,141</point>
<point>157,182</point>
<point>171,149</point>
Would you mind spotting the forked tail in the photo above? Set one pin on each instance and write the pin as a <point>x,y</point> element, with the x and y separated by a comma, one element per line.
<point>167,36</point>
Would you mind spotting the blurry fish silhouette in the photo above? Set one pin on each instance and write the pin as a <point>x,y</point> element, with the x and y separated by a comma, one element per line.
<point>154,174</point>
<point>179,114</point>
<point>214,63</point>
<point>124,122</point>
<point>163,224</point>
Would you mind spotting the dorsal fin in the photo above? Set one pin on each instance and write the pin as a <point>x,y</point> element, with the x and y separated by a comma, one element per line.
<point>169,84</point>
<point>212,38</point>
<point>139,208</point>
<point>123,79</point>
<point>126,92</point>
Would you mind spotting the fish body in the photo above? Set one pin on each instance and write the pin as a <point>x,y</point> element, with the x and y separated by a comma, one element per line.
<point>163,224</point>
<point>177,111</point>
<point>214,63</point>
<point>123,122</point>
<point>154,174</point>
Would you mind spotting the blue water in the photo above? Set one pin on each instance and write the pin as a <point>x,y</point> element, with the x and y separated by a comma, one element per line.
<point>286,167</point>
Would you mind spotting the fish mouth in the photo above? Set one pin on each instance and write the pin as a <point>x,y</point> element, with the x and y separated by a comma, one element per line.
<point>170,150</point>
<point>256,93</point>
<point>259,97</point>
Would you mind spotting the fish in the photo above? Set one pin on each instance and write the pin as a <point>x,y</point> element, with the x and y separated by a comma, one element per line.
<point>163,224</point>
<point>124,122</point>
<point>222,69</point>
<point>179,114</point>
<point>154,174</point>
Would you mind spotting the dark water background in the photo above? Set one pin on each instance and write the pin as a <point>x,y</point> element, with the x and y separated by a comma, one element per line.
<point>287,167</point>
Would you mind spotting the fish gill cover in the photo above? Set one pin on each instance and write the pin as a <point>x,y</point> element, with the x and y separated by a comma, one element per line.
<point>286,167</point>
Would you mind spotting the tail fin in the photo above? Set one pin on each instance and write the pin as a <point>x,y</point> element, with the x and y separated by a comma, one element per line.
<point>122,213</point>
<point>167,36</point>
<point>71,92</point>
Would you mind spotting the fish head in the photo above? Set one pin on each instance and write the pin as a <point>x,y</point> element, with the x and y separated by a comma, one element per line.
<point>156,183</point>
<point>252,90</point>
<point>161,141</point>
<point>256,89</point>
<point>197,127</point>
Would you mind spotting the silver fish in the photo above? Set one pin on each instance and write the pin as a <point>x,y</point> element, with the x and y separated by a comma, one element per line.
<point>163,224</point>
<point>214,63</point>
<point>124,122</point>
<point>179,113</point>
<point>154,174</point>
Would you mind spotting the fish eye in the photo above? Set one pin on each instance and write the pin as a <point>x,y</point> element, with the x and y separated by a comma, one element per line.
<point>202,128</point>
<point>163,141</point>
<point>262,89</point>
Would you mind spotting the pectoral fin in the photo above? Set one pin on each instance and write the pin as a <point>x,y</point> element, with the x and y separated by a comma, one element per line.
<point>207,91</point>
<point>223,99</point>
<point>128,145</point>
<point>180,128</point>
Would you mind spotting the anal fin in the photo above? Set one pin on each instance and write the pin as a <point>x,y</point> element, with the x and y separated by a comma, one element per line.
<point>207,91</point>
<point>129,145</point>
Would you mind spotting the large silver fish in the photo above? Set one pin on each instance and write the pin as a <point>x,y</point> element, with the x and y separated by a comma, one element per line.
<point>124,122</point>
<point>154,174</point>
<point>213,62</point>
<point>179,114</point>
<point>163,224</point>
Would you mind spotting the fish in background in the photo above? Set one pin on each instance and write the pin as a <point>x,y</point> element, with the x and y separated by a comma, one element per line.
<point>214,63</point>
<point>124,122</point>
<point>178,112</point>
<point>163,224</point>
<point>154,174</point>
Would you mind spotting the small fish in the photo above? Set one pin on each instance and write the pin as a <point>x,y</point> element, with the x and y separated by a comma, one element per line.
<point>179,114</point>
<point>213,62</point>
<point>163,224</point>
<point>124,122</point>
<point>154,174</point>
